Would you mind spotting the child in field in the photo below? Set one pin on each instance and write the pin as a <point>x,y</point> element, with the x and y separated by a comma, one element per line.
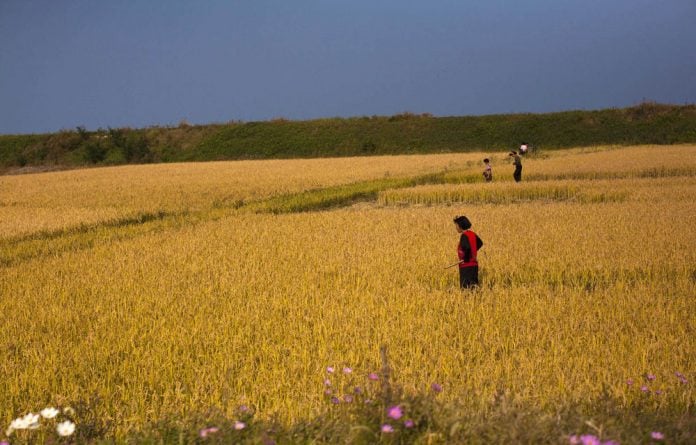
<point>467,250</point>
<point>488,171</point>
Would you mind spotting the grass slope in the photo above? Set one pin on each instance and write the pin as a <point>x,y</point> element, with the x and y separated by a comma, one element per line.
<point>647,123</point>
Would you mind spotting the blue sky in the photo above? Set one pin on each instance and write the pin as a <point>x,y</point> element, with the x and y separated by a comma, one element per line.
<point>101,63</point>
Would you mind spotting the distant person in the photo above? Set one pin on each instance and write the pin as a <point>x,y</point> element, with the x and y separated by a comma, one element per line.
<point>517,162</point>
<point>523,148</point>
<point>487,171</point>
<point>467,250</point>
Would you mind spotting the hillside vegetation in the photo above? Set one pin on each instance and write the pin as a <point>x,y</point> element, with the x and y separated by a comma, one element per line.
<point>406,133</point>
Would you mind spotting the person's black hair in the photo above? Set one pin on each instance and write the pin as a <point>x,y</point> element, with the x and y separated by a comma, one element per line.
<point>463,222</point>
<point>486,160</point>
<point>513,152</point>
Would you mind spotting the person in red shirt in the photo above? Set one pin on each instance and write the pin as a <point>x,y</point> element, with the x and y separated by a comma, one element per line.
<point>467,250</point>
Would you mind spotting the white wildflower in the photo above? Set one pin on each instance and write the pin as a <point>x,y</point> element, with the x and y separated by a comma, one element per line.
<point>19,424</point>
<point>32,421</point>
<point>65,428</point>
<point>49,413</point>
<point>239,425</point>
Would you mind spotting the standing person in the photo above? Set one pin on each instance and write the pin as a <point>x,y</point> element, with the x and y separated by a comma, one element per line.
<point>467,250</point>
<point>517,162</point>
<point>488,171</point>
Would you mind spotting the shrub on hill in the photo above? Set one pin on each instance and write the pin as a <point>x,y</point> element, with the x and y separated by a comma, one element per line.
<point>647,123</point>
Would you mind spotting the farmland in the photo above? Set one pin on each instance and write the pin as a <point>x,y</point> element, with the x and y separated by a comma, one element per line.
<point>176,293</point>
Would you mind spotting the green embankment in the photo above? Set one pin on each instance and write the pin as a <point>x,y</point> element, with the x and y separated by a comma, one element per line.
<point>647,123</point>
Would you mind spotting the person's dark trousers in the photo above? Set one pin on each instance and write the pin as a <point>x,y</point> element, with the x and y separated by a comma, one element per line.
<point>468,277</point>
<point>518,173</point>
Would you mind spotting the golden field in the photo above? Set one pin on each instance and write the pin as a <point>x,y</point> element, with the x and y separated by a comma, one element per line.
<point>59,200</point>
<point>585,283</point>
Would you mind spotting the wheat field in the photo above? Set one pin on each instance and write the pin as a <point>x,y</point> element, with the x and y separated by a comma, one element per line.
<point>59,200</point>
<point>586,283</point>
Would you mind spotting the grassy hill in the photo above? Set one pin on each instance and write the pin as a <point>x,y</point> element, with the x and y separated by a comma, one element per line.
<point>647,123</point>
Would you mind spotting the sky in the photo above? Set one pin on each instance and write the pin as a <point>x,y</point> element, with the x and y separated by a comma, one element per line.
<point>139,63</point>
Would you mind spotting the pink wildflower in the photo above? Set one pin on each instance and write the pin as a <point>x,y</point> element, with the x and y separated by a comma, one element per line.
<point>386,428</point>
<point>395,412</point>
<point>330,369</point>
<point>588,439</point>
<point>436,387</point>
<point>645,389</point>
<point>629,382</point>
<point>409,423</point>
<point>347,370</point>
<point>650,377</point>
<point>656,435</point>
<point>206,431</point>
<point>372,376</point>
